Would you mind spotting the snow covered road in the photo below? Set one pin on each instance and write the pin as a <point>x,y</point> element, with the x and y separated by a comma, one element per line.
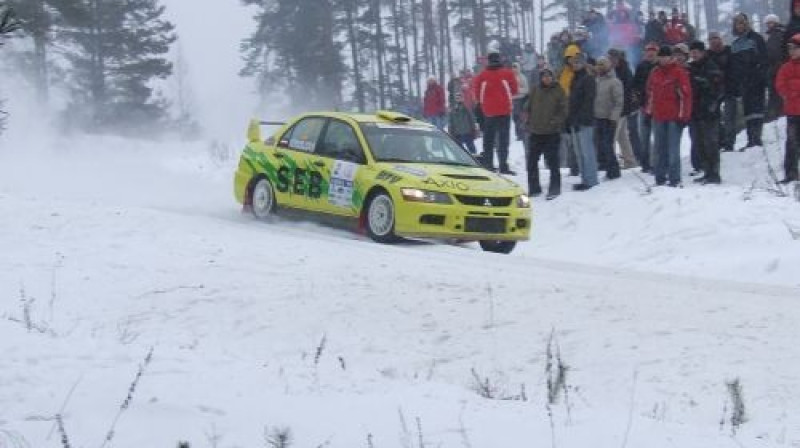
<point>296,325</point>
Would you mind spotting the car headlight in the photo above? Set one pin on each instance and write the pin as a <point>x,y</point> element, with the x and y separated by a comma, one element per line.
<point>523,201</point>
<point>417,195</point>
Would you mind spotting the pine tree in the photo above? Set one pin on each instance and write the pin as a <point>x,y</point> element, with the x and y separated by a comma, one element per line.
<point>41,21</point>
<point>8,24</point>
<point>293,47</point>
<point>119,49</point>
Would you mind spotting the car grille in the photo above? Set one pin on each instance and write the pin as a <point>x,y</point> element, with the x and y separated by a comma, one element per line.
<point>485,225</point>
<point>484,201</point>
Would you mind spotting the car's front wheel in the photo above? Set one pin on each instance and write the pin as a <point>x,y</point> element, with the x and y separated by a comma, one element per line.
<point>263,199</point>
<point>380,218</point>
<point>499,247</point>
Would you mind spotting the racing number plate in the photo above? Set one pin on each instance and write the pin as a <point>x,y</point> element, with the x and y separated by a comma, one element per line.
<point>485,225</point>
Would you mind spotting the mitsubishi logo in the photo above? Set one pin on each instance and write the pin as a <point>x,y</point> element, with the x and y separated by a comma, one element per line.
<point>487,202</point>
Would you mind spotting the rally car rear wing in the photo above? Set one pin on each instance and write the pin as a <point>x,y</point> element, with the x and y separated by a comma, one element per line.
<point>254,129</point>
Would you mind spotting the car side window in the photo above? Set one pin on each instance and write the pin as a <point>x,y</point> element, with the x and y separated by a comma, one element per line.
<point>340,142</point>
<point>304,135</point>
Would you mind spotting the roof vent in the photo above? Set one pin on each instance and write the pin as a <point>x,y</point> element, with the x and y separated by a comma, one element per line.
<point>394,117</point>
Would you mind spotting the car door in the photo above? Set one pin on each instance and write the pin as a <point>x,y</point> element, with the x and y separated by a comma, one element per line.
<point>339,157</point>
<point>297,178</point>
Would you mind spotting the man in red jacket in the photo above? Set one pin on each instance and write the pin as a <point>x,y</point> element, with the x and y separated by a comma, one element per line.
<point>787,83</point>
<point>670,104</point>
<point>494,89</point>
<point>433,107</point>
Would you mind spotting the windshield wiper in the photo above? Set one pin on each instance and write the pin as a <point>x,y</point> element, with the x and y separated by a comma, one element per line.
<point>397,159</point>
<point>447,162</point>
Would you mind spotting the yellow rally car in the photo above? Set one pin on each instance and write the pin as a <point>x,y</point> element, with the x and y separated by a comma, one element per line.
<point>392,175</point>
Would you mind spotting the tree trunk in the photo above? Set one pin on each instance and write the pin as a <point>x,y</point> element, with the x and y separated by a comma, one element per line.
<point>480,26</point>
<point>442,40</point>
<point>379,50</point>
<point>398,50</point>
<point>415,33</point>
<point>351,35</point>
<point>41,78</point>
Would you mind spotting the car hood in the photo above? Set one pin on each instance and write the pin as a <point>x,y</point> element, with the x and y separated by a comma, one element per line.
<point>448,178</point>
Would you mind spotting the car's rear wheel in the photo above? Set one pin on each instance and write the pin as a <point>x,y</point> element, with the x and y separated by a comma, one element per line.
<point>499,247</point>
<point>263,199</point>
<point>380,218</point>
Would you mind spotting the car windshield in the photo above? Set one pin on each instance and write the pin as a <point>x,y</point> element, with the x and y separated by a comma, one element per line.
<point>403,143</point>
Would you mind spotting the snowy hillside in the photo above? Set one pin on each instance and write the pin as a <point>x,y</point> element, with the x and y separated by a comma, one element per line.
<point>113,248</point>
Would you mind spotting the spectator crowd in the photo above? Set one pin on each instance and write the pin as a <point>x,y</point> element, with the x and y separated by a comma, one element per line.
<point>618,92</point>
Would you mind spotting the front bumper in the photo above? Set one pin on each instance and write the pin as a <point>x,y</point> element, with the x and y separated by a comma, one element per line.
<point>425,220</point>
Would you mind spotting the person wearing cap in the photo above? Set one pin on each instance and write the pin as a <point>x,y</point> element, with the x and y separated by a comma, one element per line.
<point>494,88</point>
<point>547,115</point>
<point>670,104</point>
<point>776,56</point>
<point>707,94</point>
<point>720,54</point>
<point>639,100</point>
<point>433,103</point>
<point>787,83</point>
<point>608,104</point>
<point>580,122</point>
<point>748,67</point>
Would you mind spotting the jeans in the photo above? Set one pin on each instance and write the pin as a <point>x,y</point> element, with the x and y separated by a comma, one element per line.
<point>636,141</point>
<point>705,146</point>
<point>466,141</point>
<point>583,142</point>
<point>547,145</point>
<point>605,130</point>
<point>645,137</point>
<point>792,149</point>
<point>668,150</point>
<point>730,113</point>
<point>494,126</point>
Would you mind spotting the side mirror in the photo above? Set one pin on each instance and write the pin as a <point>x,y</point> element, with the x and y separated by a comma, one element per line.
<point>353,155</point>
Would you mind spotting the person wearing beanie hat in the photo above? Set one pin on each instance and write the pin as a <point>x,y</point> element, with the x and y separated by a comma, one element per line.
<point>748,69</point>
<point>547,115</point>
<point>494,88</point>
<point>787,83</point>
<point>670,104</point>
<point>776,55</point>
<point>707,93</point>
